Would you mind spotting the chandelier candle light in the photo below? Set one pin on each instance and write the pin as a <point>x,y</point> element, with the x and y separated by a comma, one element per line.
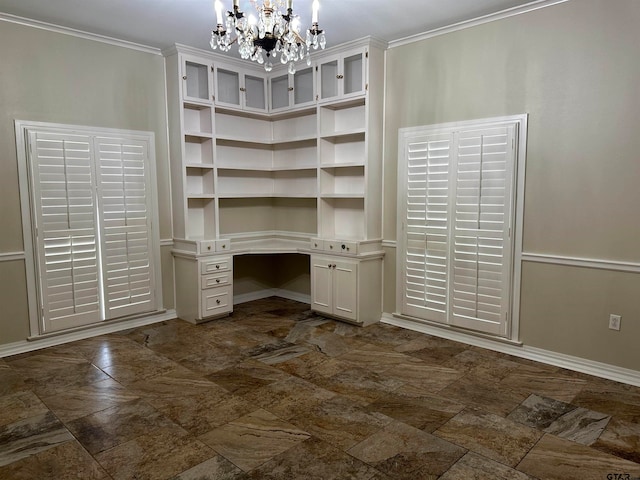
<point>273,33</point>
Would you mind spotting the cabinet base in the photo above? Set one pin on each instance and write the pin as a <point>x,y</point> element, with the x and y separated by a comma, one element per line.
<point>198,321</point>
<point>363,323</point>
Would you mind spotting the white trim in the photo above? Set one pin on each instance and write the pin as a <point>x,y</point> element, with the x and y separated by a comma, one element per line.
<point>513,323</point>
<point>24,181</point>
<point>12,256</point>
<point>630,267</point>
<point>37,343</point>
<point>271,292</point>
<point>590,367</point>
<point>389,244</point>
<point>492,17</point>
<point>6,17</point>
<point>166,242</point>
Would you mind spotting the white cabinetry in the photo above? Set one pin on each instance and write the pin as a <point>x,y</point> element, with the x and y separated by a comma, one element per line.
<point>237,88</point>
<point>204,286</point>
<point>349,289</point>
<point>279,160</point>
<point>292,91</point>
<point>343,75</point>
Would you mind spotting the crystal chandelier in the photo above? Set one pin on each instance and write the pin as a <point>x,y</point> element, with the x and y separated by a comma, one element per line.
<point>268,36</point>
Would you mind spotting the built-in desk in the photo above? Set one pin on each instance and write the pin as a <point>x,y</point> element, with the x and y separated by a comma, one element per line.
<point>346,276</point>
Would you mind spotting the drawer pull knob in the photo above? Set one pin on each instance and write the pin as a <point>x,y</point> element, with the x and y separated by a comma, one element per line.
<point>218,301</point>
<point>344,246</point>
<point>331,247</point>
<point>208,247</point>
<point>217,267</point>
<point>217,280</point>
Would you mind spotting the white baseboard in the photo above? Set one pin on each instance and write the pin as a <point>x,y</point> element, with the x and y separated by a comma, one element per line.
<point>271,292</point>
<point>590,367</point>
<point>24,346</point>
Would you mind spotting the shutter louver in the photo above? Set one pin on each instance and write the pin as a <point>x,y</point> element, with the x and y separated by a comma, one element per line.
<point>126,226</point>
<point>426,226</point>
<point>480,249</point>
<point>65,215</point>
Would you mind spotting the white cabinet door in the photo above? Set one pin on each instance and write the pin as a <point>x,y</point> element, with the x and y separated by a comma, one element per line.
<point>334,287</point>
<point>239,89</point>
<point>345,289</point>
<point>342,76</point>
<point>197,78</point>
<point>288,91</point>
<point>321,285</point>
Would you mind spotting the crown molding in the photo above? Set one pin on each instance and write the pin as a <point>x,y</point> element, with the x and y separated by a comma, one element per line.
<point>492,17</point>
<point>78,33</point>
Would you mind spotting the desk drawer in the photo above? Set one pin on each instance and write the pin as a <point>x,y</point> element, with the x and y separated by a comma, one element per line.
<point>218,264</point>
<point>216,280</point>
<point>338,246</point>
<point>216,301</point>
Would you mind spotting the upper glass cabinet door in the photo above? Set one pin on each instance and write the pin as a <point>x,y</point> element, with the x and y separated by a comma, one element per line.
<point>197,78</point>
<point>342,76</point>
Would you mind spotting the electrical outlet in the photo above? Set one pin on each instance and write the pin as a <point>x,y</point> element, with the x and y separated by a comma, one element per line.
<point>614,321</point>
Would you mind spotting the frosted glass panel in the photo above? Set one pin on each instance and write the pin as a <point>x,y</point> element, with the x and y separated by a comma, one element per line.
<point>228,87</point>
<point>280,92</point>
<point>328,80</point>
<point>255,92</point>
<point>353,74</point>
<point>197,80</point>
<point>303,86</point>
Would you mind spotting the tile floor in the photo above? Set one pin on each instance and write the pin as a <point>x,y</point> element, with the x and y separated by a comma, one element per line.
<point>276,392</point>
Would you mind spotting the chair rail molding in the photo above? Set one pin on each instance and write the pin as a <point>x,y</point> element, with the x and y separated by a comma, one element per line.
<point>12,256</point>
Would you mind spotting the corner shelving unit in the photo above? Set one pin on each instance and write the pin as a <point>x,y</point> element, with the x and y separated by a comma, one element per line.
<point>281,163</point>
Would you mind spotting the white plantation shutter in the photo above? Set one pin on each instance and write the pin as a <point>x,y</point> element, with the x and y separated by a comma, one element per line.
<point>480,250</point>
<point>65,219</point>
<point>425,262</point>
<point>125,226</point>
<point>92,204</point>
<point>455,209</point>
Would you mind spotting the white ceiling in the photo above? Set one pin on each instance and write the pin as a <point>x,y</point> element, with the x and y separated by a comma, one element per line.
<point>161,23</point>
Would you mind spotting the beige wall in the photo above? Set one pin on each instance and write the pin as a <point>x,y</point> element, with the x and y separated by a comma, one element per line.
<point>51,77</point>
<point>573,68</point>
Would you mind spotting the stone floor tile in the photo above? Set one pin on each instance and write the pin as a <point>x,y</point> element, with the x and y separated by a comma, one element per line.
<point>250,441</point>
<point>404,452</point>
<point>621,438</point>
<point>415,407</point>
<point>476,467</point>
<point>490,435</point>
<point>532,380</point>
<point>313,459</point>
<point>84,400</point>
<point>30,436</point>
<point>555,458</point>
<point>11,381</point>
<point>216,468</point>
<point>20,405</point>
<point>67,460</point>
<point>579,425</point>
<point>540,412</point>
<point>113,426</point>
<point>359,384</point>
<point>483,395</point>
<point>427,377</point>
<point>340,422</point>
<point>613,399</point>
<point>280,398</point>
<point>247,376</point>
<point>160,454</point>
